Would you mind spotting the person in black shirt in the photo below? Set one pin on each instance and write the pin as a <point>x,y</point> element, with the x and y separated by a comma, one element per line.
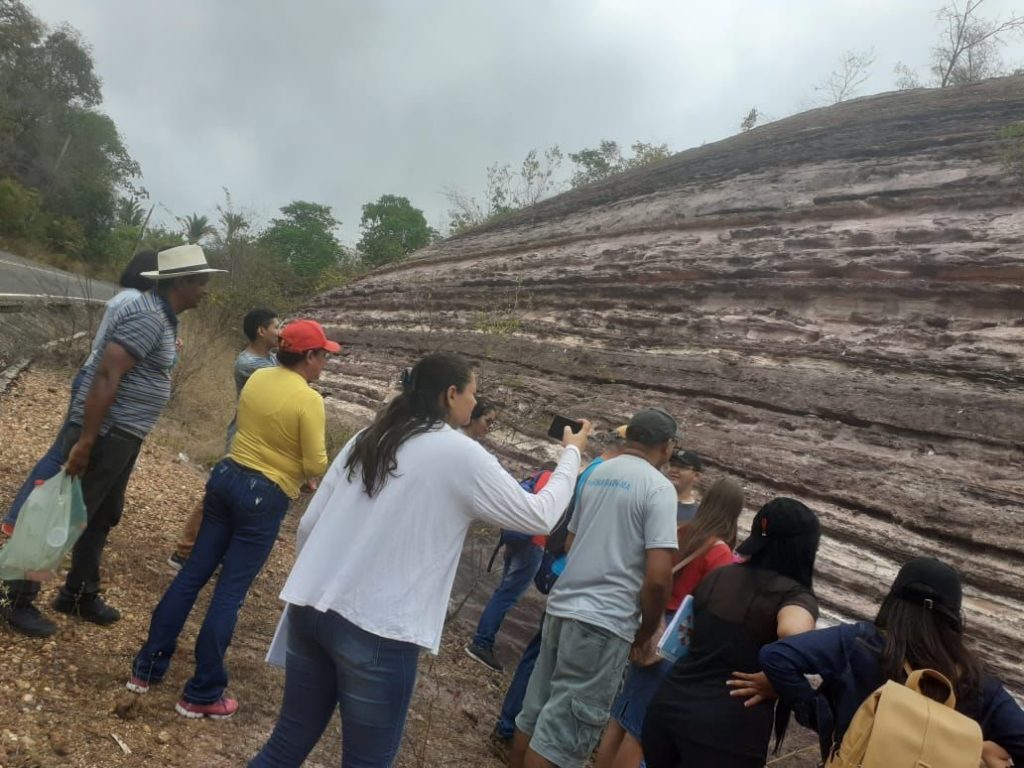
<point>737,609</point>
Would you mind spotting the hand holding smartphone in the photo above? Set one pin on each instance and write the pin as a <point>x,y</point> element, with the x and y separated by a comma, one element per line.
<point>558,425</point>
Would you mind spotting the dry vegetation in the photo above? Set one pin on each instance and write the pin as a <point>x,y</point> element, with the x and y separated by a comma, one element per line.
<point>64,699</point>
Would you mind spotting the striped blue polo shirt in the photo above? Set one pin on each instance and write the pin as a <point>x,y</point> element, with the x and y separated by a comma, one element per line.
<point>147,328</point>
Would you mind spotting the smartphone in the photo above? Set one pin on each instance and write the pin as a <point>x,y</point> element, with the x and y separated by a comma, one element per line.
<point>558,425</point>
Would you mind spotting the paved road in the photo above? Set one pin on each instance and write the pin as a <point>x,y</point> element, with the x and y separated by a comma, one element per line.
<point>24,280</point>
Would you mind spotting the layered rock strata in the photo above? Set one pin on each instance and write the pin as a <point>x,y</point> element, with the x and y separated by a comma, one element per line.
<point>831,304</point>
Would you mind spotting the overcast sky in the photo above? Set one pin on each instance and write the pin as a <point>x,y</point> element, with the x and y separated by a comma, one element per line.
<point>340,101</point>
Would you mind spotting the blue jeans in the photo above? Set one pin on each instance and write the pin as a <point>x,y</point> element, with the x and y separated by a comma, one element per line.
<point>517,689</point>
<point>46,467</point>
<point>330,663</point>
<point>521,564</point>
<point>242,512</point>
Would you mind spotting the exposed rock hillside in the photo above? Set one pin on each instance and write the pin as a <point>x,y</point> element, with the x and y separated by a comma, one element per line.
<point>831,304</point>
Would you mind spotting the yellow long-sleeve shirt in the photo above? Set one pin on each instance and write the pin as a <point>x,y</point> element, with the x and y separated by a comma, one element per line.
<point>281,428</point>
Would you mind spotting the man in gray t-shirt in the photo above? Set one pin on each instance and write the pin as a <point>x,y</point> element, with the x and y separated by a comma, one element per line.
<point>609,600</point>
<point>626,508</point>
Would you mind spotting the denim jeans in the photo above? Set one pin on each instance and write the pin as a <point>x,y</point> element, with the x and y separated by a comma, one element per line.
<point>330,663</point>
<point>517,689</point>
<point>521,564</point>
<point>242,513</point>
<point>46,467</point>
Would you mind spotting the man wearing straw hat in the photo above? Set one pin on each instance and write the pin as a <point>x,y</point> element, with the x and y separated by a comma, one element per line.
<point>122,394</point>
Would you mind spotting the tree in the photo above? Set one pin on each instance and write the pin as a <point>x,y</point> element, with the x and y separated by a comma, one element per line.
<point>53,139</point>
<point>392,229</point>
<point>507,190</point>
<point>844,82</point>
<point>303,238</point>
<point>906,78</point>
<point>750,120</point>
<point>969,48</point>
<point>594,164</point>
<point>196,227</point>
<point>130,212</point>
<point>645,154</point>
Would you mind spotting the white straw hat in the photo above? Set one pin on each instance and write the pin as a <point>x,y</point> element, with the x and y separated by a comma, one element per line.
<point>181,261</point>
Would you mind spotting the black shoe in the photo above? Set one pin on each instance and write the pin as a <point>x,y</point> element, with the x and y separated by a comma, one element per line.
<point>485,656</point>
<point>176,561</point>
<point>26,619</point>
<point>89,607</point>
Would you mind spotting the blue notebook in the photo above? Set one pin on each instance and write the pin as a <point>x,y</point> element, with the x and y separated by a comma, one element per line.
<point>675,641</point>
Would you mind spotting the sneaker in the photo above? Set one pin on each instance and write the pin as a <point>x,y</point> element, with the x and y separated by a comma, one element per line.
<point>138,685</point>
<point>89,607</point>
<point>7,529</point>
<point>176,561</point>
<point>485,656</point>
<point>26,619</point>
<point>221,709</point>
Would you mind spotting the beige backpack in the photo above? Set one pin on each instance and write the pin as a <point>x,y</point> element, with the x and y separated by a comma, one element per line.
<point>897,726</point>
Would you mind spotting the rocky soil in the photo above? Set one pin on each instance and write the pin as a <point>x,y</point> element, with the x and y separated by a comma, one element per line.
<point>831,304</point>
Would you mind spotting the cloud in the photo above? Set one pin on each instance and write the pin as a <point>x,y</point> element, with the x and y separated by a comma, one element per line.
<point>340,102</point>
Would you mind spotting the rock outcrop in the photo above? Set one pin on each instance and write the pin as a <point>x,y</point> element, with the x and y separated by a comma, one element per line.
<point>832,305</point>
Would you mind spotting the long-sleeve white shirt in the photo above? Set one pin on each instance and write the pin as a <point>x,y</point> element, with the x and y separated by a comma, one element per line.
<point>387,563</point>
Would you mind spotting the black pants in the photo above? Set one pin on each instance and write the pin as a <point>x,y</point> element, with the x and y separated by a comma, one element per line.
<point>103,485</point>
<point>665,747</point>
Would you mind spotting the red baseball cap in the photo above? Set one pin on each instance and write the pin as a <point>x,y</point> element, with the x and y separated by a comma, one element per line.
<point>304,335</point>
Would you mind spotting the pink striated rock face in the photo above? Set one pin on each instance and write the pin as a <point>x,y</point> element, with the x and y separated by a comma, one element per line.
<point>831,305</point>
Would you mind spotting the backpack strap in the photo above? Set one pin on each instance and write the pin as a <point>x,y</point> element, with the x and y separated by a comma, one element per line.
<point>701,551</point>
<point>494,554</point>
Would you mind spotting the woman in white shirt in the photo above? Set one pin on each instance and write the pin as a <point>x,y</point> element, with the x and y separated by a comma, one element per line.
<point>377,552</point>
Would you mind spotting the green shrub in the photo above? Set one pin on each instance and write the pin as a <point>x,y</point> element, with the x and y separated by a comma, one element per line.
<point>20,211</point>
<point>65,235</point>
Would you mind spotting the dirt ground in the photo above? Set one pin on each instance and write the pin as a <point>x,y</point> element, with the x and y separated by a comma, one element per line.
<point>63,702</point>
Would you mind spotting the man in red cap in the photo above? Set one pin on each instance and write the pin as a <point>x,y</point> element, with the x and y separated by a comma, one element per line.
<point>278,449</point>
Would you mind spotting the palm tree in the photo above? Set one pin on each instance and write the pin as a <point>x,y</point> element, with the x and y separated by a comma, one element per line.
<point>129,212</point>
<point>196,227</point>
<point>233,225</point>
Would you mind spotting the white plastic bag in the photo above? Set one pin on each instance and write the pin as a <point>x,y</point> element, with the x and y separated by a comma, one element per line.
<point>50,523</point>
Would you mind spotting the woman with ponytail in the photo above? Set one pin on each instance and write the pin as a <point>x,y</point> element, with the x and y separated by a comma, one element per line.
<point>377,552</point>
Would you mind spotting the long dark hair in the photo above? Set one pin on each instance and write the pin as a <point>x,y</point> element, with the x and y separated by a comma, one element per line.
<point>131,277</point>
<point>416,410</point>
<point>716,517</point>
<point>925,638</point>
<point>791,556</point>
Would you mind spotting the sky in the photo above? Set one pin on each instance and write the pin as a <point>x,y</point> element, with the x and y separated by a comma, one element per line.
<point>341,101</point>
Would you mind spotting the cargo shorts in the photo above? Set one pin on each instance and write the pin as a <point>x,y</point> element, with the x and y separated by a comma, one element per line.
<point>578,674</point>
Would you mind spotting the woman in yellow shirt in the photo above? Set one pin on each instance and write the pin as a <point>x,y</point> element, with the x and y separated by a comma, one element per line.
<point>280,446</point>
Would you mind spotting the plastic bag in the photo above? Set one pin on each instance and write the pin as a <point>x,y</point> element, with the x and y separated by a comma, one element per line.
<point>50,523</point>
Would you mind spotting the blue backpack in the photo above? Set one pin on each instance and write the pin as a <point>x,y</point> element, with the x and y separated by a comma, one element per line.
<point>514,538</point>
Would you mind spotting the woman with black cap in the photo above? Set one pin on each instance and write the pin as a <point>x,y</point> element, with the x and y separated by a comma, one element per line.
<point>692,719</point>
<point>921,624</point>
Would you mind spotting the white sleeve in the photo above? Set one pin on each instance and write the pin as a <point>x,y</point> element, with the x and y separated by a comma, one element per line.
<point>322,497</point>
<point>498,498</point>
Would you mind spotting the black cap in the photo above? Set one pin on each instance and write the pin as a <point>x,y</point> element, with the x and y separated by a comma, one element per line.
<point>651,426</point>
<point>687,459</point>
<point>780,518</point>
<point>931,583</point>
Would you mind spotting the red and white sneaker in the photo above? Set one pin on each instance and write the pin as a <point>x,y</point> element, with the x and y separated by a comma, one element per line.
<point>221,709</point>
<point>137,685</point>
